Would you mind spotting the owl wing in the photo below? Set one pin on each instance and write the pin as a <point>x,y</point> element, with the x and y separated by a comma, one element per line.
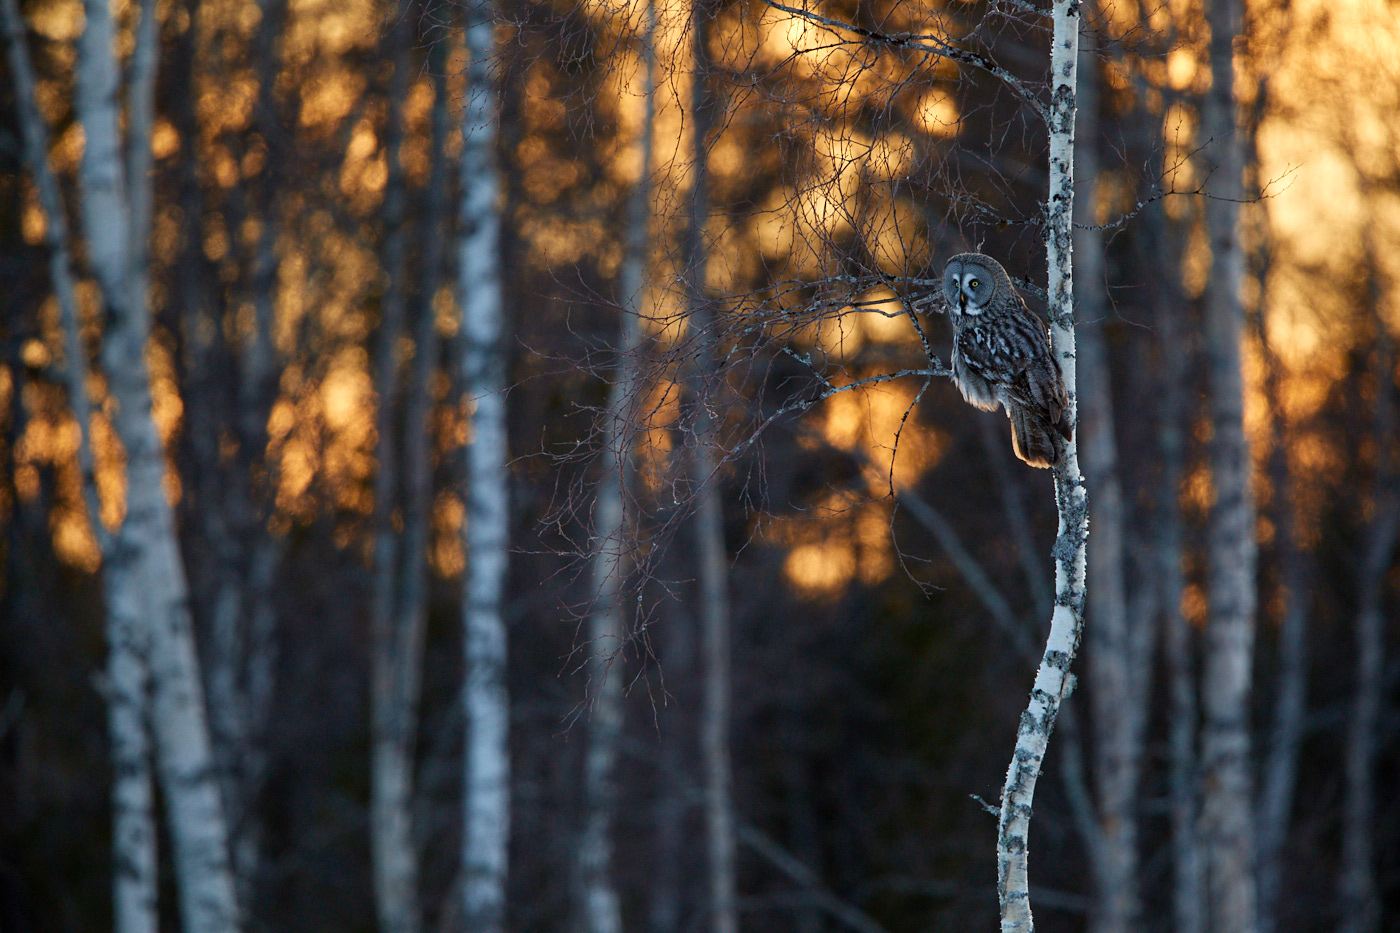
<point>1014,356</point>
<point>1040,385</point>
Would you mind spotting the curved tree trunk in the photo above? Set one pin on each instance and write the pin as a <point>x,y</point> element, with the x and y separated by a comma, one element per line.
<point>1053,680</point>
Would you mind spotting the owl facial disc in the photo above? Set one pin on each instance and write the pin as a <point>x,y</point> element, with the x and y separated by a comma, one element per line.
<point>967,286</point>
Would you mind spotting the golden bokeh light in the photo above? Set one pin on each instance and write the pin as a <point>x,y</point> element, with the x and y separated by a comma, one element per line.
<point>820,570</point>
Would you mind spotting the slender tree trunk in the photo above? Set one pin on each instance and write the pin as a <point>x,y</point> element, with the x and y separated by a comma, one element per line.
<point>486,792</point>
<point>1227,809</point>
<point>1116,678</point>
<point>674,797</point>
<point>240,650</point>
<point>607,628</point>
<point>713,569</point>
<point>1158,245</point>
<point>1038,580</point>
<point>411,607</point>
<point>394,674</point>
<point>1279,774</point>
<point>715,708</point>
<point>1360,893</point>
<point>1053,681</point>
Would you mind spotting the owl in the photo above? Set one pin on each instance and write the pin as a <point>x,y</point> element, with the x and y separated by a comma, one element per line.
<point>1001,354</point>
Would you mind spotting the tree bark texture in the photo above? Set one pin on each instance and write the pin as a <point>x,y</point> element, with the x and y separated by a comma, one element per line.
<point>486,791</point>
<point>1053,680</point>
<point>1227,806</point>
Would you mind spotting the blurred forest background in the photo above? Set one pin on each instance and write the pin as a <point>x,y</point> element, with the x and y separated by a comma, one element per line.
<point>768,641</point>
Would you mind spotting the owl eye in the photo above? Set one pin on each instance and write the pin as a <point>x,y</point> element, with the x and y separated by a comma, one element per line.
<point>974,284</point>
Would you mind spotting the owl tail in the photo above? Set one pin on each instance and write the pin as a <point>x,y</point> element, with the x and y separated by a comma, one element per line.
<point>1032,440</point>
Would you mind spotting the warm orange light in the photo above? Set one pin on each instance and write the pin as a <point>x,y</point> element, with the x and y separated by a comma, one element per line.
<point>820,570</point>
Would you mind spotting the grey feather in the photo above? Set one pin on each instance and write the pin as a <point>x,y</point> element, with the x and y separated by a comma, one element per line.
<point>1002,356</point>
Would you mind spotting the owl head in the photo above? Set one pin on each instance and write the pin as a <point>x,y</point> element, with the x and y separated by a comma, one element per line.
<point>971,281</point>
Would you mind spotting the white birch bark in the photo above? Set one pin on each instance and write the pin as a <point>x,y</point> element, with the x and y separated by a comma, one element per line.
<point>713,562</point>
<point>486,791</point>
<point>145,580</point>
<point>1053,680</point>
<point>126,684</point>
<point>1227,807</point>
<point>607,633</point>
<point>1116,672</point>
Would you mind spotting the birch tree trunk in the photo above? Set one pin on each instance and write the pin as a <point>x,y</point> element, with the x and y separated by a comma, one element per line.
<point>607,631</point>
<point>486,791</point>
<point>1116,671</point>
<point>713,563</point>
<point>128,671</point>
<point>1053,680</point>
<point>126,684</point>
<point>1227,806</point>
<point>147,596</point>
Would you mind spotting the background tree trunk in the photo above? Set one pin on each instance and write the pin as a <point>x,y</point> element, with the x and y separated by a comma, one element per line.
<point>241,620</point>
<point>486,793</point>
<point>1279,773</point>
<point>1360,890</point>
<point>1227,808</point>
<point>607,621</point>
<point>394,663</point>
<point>1117,674</point>
<point>711,556</point>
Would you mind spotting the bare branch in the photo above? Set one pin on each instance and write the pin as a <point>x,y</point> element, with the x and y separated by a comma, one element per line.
<point>933,45</point>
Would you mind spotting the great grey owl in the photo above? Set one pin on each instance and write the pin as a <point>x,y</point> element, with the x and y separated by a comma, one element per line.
<point>1001,354</point>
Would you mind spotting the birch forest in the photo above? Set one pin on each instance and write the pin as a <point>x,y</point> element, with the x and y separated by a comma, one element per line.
<point>491,466</point>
